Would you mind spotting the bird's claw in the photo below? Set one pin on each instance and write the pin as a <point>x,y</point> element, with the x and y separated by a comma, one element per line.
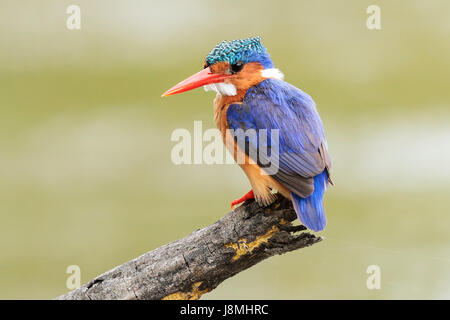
<point>249,195</point>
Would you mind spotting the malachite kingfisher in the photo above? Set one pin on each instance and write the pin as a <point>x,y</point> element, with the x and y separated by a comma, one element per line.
<point>251,95</point>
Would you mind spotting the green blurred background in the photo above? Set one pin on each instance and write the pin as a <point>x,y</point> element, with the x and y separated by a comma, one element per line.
<point>85,169</point>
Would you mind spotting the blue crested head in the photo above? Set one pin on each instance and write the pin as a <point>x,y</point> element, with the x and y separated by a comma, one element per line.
<point>231,68</point>
<point>240,51</point>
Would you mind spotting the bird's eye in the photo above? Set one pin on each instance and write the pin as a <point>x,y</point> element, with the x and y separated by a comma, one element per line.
<point>235,68</point>
<point>205,65</point>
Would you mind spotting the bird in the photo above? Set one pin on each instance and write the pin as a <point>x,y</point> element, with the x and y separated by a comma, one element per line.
<point>251,94</point>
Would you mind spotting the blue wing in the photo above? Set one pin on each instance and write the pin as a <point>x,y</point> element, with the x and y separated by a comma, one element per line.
<point>302,149</point>
<point>275,104</point>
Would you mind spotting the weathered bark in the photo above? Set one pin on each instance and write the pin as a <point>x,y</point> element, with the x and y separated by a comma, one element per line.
<point>189,267</point>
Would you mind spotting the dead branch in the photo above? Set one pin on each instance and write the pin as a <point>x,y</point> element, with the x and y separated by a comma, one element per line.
<point>198,263</point>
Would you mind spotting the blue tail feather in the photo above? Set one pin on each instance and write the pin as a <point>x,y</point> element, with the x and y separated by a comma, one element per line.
<point>310,210</point>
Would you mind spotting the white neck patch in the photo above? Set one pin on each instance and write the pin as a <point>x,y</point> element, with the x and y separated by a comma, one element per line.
<point>222,88</point>
<point>272,73</point>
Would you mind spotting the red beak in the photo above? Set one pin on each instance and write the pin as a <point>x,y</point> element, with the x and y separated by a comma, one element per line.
<point>201,78</point>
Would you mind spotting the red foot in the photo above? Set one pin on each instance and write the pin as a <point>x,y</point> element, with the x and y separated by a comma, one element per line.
<point>249,195</point>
